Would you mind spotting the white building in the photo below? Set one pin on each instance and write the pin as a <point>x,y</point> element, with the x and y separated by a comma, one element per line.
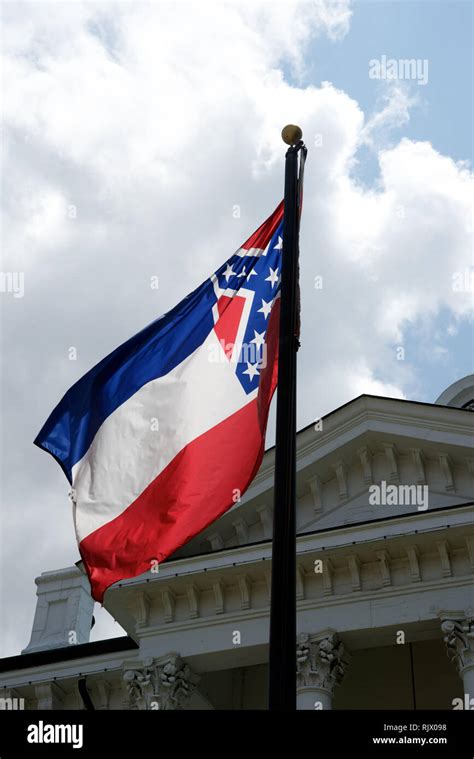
<point>384,584</point>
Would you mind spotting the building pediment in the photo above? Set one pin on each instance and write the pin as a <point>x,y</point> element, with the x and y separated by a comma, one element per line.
<point>343,457</point>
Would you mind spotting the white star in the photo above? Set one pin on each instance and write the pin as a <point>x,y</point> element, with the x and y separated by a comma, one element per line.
<point>273,278</point>
<point>242,273</point>
<point>279,244</point>
<point>259,338</point>
<point>252,273</point>
<point>252,370</point>
<point>229,272</point>
<point>266,308</point>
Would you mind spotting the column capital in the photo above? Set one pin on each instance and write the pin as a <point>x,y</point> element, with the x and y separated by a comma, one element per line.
<point>458,635</point>
<point>165,683</point>
<point>321,661</point>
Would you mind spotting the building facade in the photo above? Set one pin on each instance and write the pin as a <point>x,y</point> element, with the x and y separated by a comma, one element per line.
<point>385,591</point>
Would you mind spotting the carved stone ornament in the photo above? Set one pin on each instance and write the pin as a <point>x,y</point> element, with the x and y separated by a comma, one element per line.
<point>320,662</point>
<point>459,640</point>
<point>163,685</point>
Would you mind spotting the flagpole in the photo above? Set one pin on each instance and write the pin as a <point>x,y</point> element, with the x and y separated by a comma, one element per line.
<point>282,676</point>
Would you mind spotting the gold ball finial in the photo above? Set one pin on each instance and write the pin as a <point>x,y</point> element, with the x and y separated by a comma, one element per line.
<point>291,134</point>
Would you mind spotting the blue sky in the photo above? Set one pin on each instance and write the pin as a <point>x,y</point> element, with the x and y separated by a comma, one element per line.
<point>440,32</point>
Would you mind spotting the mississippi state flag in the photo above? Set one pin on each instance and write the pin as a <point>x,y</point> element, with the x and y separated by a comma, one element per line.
<point>163,435</point>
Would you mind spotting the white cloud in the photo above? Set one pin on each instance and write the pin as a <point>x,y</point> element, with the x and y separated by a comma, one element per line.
<point>155,123</point>
<point>397,100</point>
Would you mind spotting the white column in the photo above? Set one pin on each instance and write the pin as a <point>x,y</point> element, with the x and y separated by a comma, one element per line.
<point>459,640</point>
<point>321,663</point>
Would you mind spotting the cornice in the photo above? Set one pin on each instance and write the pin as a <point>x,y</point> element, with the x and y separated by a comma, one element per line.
<point>391,591</point>
<point>98,665</point>
<point>359,413</point>
<point>307,604</point>
<point>68,573</point>
<point>256,553</point>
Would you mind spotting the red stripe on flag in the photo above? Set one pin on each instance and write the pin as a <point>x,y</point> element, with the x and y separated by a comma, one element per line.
<point>262,236</point>
<point>196,488</point>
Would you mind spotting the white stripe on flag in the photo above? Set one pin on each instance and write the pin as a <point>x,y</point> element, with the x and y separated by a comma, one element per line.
<point>127,454</point>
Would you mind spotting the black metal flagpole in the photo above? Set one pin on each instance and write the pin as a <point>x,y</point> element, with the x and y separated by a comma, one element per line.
<point>282,680</point>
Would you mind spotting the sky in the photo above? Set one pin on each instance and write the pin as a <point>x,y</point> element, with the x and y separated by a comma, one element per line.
<point>142,140</point>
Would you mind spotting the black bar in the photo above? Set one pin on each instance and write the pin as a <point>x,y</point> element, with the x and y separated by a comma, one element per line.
<point>282,679</point>
<point>349,733</point>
